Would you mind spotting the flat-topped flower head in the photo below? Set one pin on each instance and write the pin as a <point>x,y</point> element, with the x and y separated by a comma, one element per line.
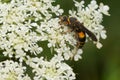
<point>25,23</point>
<point>31,32</point>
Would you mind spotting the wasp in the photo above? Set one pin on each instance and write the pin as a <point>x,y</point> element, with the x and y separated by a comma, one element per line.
<point>79,29</point>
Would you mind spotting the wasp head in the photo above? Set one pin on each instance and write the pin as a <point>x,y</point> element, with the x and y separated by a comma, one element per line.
<point>63,20</point>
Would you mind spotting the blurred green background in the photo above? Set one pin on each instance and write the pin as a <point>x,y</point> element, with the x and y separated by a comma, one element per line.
<point>103,64</point>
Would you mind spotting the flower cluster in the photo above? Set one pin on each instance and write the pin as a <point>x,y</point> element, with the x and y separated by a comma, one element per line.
<point>10,70</point>
<point>26,24</point>
<point>18,23</point>
<point>55,69</point>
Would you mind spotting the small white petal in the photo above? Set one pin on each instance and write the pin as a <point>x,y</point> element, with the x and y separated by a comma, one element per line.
<point>78,55</point>
<point>104,9</point>
<point>99,45</point>
<point>103,34</point>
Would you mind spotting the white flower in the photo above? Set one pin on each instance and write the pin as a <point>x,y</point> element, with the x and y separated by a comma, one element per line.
<point>99,45</point>
<point>10,70</point>
<point>104,9</point>
<point>55,69</point>
<point>77,55</point>
<point>93,5</point>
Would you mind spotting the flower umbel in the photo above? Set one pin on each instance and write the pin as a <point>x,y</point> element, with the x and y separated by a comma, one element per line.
<point>26,24</point>
<point>55,69</point>
<point>18,23</point>
<point>10,70</point>
<point>21,21</point>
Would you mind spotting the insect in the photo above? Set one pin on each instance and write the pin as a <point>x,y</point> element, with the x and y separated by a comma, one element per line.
<point>79,29</point>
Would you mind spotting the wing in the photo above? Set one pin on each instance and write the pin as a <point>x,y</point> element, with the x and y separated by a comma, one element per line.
<point>90,34</point>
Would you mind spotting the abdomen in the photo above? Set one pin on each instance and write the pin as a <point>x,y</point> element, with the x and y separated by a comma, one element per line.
<point>81,39</point>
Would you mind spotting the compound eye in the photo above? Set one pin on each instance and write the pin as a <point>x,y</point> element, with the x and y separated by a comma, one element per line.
<point>64,19</point>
